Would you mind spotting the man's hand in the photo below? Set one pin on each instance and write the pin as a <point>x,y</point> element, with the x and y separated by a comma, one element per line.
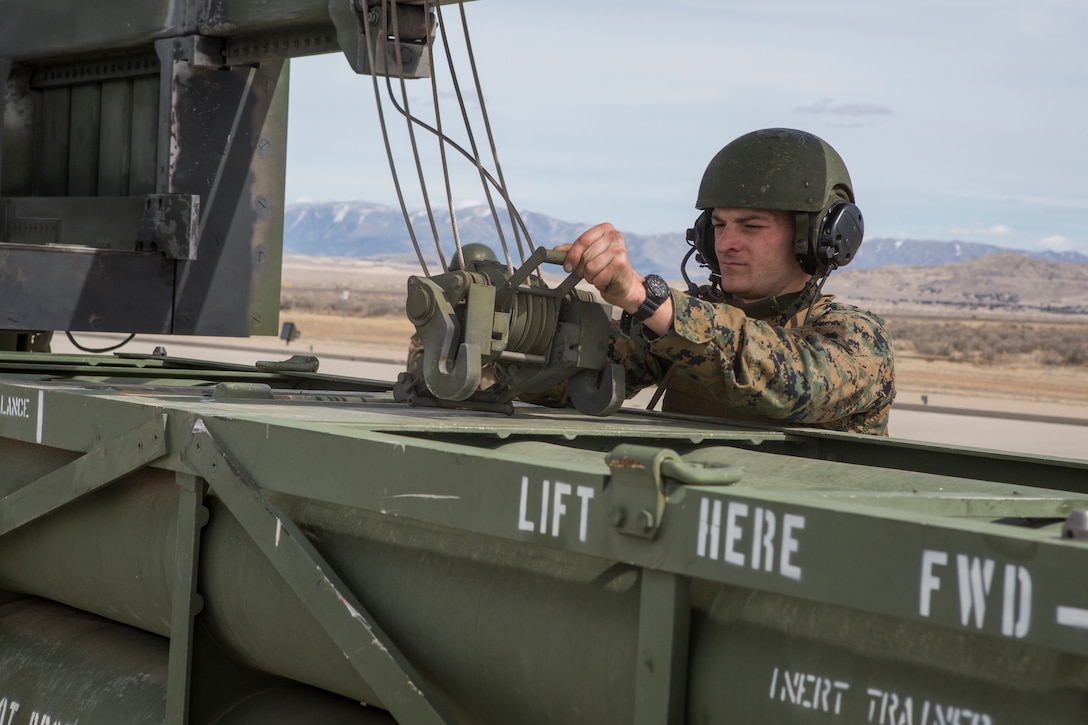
<point>600,257</point>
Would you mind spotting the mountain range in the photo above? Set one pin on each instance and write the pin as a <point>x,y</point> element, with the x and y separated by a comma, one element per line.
<point>366,230</point>
<point>888,275</point>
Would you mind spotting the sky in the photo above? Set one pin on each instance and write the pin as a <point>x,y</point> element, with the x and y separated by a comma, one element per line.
<point>964,120</point>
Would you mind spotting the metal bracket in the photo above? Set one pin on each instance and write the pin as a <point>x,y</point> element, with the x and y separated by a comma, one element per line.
<point>638,485</point>
<point>170,224</point>
<point>403,691</point>
<point>103,464</point>
<point>192,517</point>
<point>358,33</point>
<point>451,371</point>
<point>638,496</point>
<point>664,625</point>
<point>195,50</point>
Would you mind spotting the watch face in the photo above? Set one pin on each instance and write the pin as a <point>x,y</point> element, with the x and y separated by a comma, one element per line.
<point>656,287</point>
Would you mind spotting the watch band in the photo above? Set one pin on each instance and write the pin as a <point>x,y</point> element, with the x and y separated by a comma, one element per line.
<point>657,291</point>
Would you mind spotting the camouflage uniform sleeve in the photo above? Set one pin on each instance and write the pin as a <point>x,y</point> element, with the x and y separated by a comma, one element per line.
<point>835,367</point>
<point>640,367</point>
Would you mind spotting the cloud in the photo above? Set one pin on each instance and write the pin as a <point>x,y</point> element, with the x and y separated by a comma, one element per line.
<point>827,105</point>
<point>982,230</point>
<point>1055,243</point>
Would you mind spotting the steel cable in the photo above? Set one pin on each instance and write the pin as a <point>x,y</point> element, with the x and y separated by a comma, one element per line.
<point>473,157</point>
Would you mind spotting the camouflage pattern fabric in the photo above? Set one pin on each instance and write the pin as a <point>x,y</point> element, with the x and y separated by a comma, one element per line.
<point>835,372</point>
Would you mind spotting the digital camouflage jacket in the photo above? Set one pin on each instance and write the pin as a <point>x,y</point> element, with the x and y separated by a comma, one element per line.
<point>835,372</point>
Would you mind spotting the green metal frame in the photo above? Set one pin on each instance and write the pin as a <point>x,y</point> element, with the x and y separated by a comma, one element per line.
<point>371,652</point>
<point>362,641</point>
<point>903,552</point>
<point>101,465</point>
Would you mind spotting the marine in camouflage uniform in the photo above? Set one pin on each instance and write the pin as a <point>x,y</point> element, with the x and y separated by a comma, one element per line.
<point>785,358</point>
<point>761,363</point>
<point>759,343</point>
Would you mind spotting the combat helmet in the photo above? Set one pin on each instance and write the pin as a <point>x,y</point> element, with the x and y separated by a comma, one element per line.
<point>788,170</point>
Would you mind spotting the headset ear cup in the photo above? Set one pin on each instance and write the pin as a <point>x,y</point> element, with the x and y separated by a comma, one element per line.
<point>703,239</point>
<point>839,236</point>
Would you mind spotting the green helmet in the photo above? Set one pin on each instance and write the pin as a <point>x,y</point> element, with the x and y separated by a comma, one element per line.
<point>787,170</point>
<point>776,168</point>
<point>473,252</point>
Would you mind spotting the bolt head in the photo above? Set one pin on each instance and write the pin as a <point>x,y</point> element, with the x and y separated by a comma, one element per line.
<point>1076,525</point>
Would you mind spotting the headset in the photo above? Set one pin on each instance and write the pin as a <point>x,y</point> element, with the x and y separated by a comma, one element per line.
<point>820,248</point>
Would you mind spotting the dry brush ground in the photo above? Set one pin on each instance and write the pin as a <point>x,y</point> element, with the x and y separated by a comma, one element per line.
<point>1006,359</point>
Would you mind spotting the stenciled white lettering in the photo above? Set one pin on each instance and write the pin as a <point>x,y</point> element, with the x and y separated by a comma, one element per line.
<point>8,708</point>
<point>808,690</point>
<point>885,707</point>
<point>930,582</point>
<point>1016,611</point>
<point>789,546</point>
<point>975,577</point>
<point>733,531</point>
<point>38,718</point>
<point>892,708</point>
<point>14,406</point>
<point>751,529</point>
<point>553,507</point>
<point>975,587</point>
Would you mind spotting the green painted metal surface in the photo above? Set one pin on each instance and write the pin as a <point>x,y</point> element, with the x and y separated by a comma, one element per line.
<point>194,542</point>
<point>500,562</point>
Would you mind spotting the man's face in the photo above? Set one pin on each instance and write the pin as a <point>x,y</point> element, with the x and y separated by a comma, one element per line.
<point>755,253</point>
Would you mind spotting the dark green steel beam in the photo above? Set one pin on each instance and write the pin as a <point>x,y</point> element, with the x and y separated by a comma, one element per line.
<point>192,516</point>
<point>377,660</point>
<point>99,466</point>
<point>664,623</point>
<point>53,28</point>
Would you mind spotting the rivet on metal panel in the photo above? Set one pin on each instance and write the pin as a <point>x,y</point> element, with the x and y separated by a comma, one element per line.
<point>1076,525</point>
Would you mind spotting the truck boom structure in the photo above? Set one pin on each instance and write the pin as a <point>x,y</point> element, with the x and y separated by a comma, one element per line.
<point>199,542</point>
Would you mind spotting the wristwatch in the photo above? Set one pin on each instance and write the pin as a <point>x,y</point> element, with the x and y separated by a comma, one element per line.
<point>657,291</point>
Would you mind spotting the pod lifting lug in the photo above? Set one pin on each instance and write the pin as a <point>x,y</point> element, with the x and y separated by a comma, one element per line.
<point>638,496</point>
<point>638,485</point>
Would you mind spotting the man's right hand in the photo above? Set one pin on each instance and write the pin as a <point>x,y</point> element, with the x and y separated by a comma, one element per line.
<point>600,257</point>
